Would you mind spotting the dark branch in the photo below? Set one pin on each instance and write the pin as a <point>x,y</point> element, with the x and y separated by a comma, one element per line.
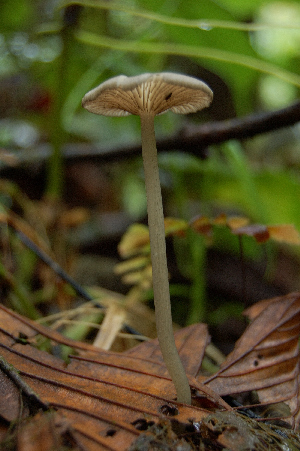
<point>62,274</point>
<point>198,138</point>
<point>194,140</point>
<point>246,127</point>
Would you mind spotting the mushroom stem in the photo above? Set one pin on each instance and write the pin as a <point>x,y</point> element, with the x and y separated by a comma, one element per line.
<point>159,261</point>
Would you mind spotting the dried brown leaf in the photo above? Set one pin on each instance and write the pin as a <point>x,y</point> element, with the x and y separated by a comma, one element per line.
<point>266,357</point>
<point>101,394</point>
<point>104,395</point>
<point>191,341</point>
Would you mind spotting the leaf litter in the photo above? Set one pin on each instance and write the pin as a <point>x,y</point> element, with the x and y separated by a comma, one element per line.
<point>104,400</point>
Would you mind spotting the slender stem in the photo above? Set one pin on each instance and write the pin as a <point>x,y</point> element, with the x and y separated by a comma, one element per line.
<point>197,248</point>
<point>159,262</point>
<point>55,170</point>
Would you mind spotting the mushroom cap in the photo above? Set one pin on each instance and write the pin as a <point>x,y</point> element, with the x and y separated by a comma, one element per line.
<point>148,93</point>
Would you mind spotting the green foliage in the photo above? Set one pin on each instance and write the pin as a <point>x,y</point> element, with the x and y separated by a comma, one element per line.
<point>251,48</point>
<point>193,238</point>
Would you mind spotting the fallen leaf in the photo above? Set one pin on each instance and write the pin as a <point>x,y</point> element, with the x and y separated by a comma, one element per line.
<point>191,341</point>
<point>106,398</point>
<point>266,357</point>
<point>102,395</point>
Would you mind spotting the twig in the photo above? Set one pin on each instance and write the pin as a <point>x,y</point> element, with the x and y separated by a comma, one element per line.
<point>62,274</point>
<point>193,140</point>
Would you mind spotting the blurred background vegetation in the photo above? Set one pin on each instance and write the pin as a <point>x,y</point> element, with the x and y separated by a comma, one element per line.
<point>72,182</point>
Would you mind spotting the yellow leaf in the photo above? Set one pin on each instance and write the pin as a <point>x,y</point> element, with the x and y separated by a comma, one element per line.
<point>174,226</point>
<point>134,241</point>
<point>133,264</point>
<point>220,220</point>
<point>285,233</point>
<point>236,222</point>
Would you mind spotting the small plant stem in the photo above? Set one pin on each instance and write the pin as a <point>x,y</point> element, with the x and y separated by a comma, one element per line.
<point>55,170</point>
<point>197,311</point>
<point>159,262</point>
<point>19,296</point>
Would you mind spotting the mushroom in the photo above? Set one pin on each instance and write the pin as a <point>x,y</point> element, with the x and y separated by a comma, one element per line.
<point>146,96</point>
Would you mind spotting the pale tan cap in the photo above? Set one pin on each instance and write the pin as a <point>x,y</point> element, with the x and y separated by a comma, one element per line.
<point>148,93</point>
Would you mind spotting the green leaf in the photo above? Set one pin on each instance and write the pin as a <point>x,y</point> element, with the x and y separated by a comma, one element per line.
<point>249,62</point>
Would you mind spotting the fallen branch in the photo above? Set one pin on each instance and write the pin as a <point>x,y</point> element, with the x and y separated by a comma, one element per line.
<point>194,140</point>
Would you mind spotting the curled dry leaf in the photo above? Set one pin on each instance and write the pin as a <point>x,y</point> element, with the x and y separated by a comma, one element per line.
<point>266,357</point>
